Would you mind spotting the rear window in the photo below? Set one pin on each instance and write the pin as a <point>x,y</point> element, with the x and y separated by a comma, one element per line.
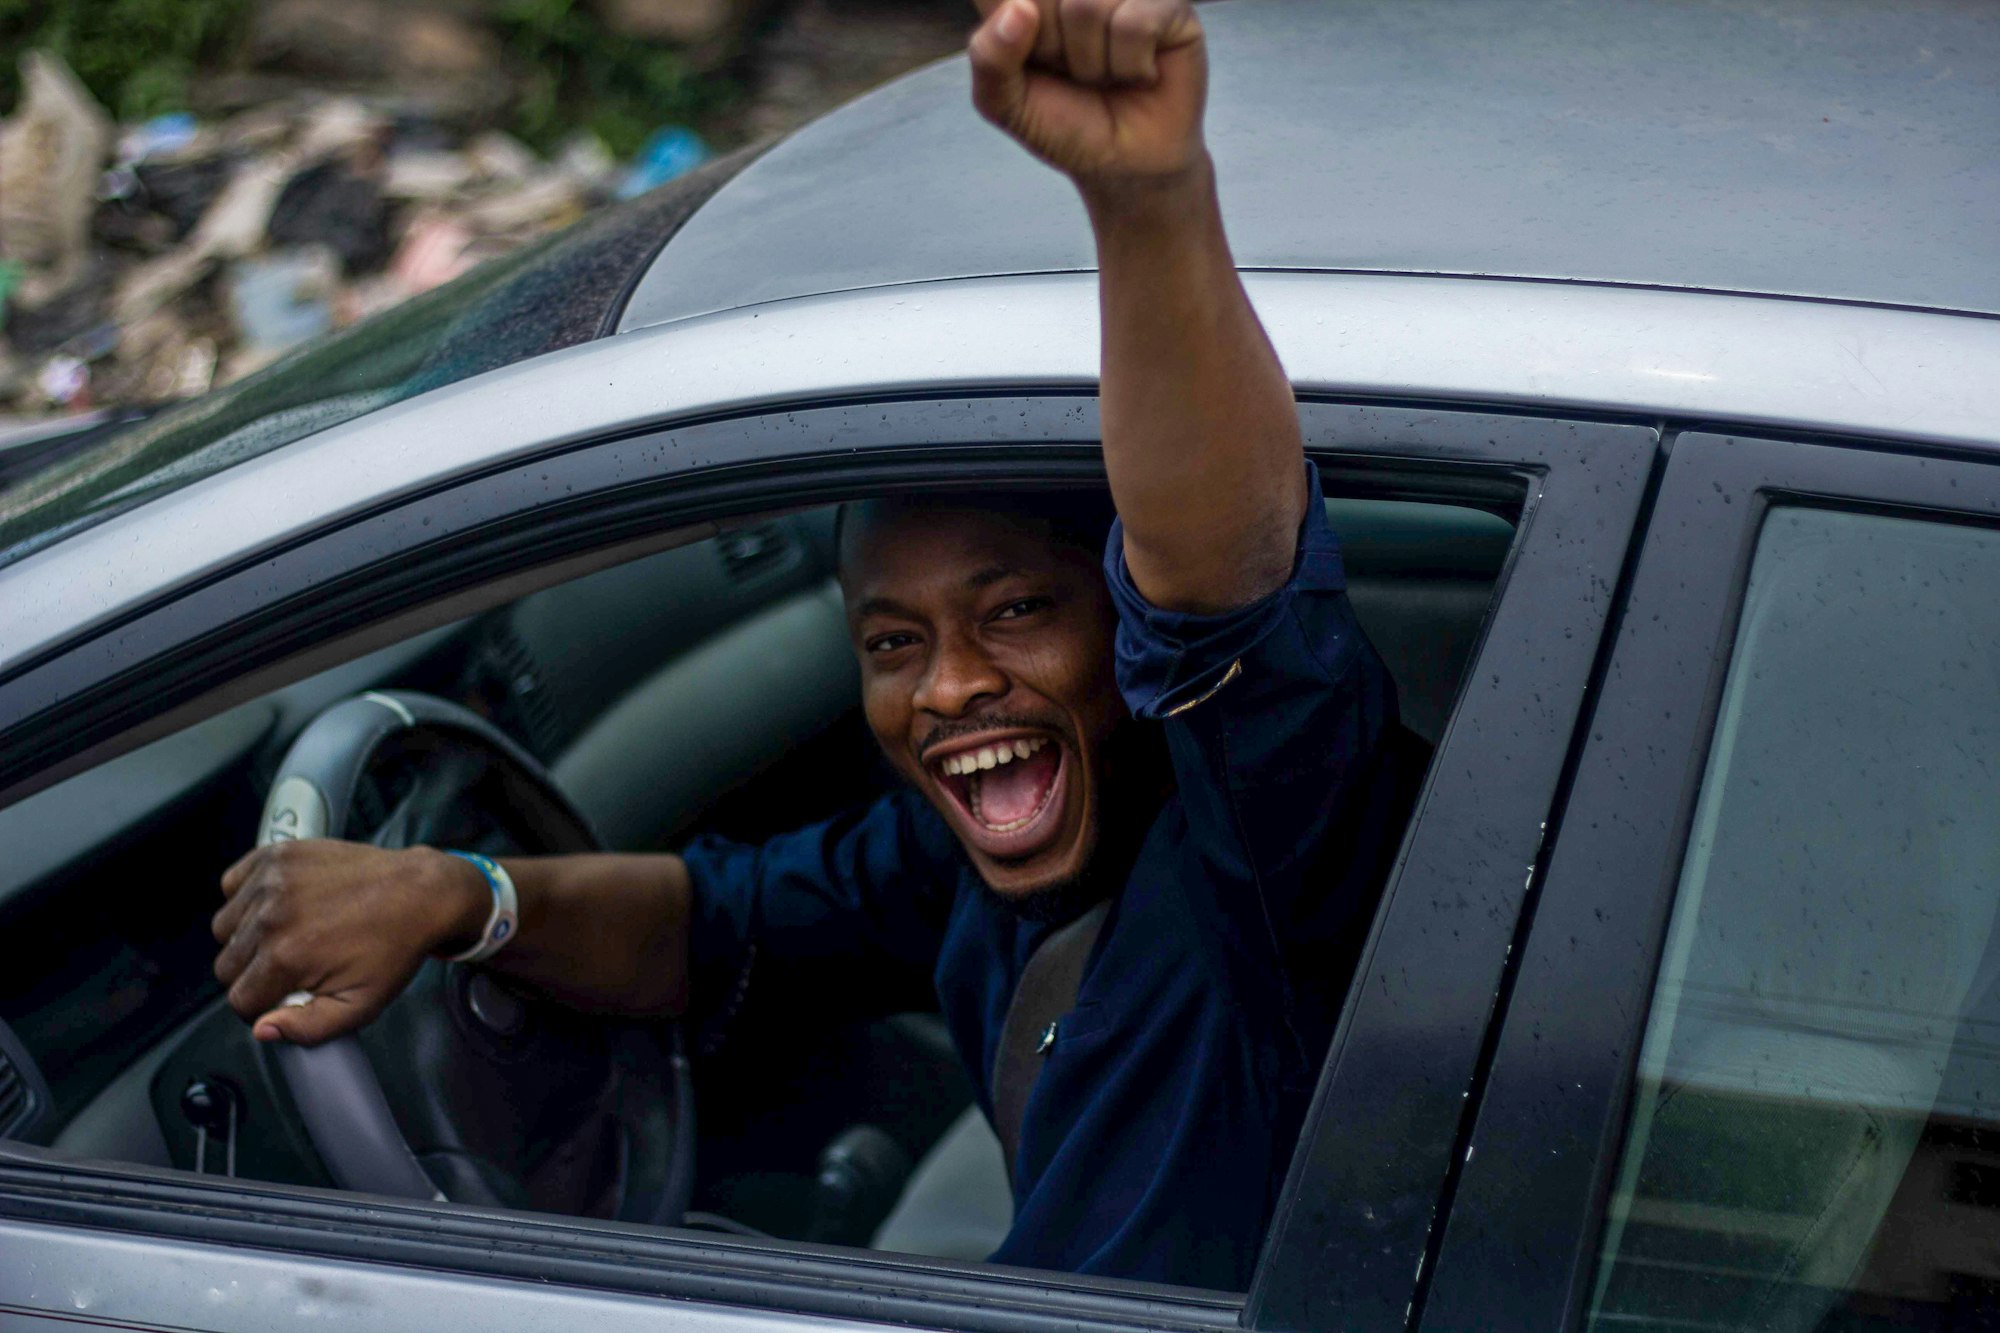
<point>565,290</point>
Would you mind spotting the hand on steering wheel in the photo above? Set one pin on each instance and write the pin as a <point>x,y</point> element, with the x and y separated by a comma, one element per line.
<point>459,1085</point>
<point>343,924</point>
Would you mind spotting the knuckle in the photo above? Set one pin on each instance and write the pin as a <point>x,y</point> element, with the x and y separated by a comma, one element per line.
<point>284,953</point>
<point>1131,21</point>
<point>273,913</point>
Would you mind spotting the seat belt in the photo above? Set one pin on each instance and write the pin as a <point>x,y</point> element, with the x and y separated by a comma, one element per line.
<point>1046,991</point>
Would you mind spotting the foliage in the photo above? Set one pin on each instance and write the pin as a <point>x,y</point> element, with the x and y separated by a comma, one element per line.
<point>581,75</point>
<point>140,56</point>
<point>137,56</point>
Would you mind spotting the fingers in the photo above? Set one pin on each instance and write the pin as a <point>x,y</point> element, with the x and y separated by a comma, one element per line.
<point>1109,43</point>
<point>1086,34</point>
<point>238,874</point>
<point>1138,30</point>
<point>262,983</point>
<point>999,51</point>
<point>239,947</point>
<point>247,883</point>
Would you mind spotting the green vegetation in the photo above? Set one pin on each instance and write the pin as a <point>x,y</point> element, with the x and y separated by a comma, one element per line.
<point>138,56</point>
<point>580,75</point>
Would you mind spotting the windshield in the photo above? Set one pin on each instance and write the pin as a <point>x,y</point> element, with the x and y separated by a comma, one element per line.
<point>562,291</point>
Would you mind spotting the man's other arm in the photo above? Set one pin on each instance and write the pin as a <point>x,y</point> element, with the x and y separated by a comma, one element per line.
<point>1201,436</point>
<point>351,923</point>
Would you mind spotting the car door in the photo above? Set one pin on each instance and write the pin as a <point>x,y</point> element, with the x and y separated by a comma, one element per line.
<point>1746,1076</point>
<point>158,1248</point>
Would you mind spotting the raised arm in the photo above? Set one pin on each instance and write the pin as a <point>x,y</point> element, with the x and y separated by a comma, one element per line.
<point>1201,437</point>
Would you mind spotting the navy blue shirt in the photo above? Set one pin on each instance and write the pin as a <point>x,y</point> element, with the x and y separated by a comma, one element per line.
<point>1158,1132</point>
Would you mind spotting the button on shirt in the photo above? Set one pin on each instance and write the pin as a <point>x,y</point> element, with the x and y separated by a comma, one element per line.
<point>1157,1134</point>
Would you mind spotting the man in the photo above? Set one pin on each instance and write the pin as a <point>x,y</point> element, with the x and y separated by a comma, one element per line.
<point>1194,734</point>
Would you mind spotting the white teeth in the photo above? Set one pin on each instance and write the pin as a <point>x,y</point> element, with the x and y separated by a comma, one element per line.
<point>990,756</point>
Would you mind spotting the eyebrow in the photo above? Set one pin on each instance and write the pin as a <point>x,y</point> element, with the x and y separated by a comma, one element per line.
<point>881,606</point>
<point>889,606</point>
<point>992,574</point>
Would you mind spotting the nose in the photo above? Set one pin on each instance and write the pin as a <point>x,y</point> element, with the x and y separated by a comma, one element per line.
<point>959,677</point>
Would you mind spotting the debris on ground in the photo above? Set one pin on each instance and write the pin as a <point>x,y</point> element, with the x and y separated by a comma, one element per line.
<point>152,261</point>
<point>348,161</point>
<point>51,152</point>
<point>665,154</point>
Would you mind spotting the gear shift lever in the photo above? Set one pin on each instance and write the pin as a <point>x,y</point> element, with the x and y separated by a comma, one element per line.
<point>861,1176</point>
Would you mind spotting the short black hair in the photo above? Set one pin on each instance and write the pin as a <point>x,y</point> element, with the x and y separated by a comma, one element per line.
<point>1078,518</point>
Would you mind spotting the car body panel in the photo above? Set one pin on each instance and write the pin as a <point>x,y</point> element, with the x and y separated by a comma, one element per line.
<point>682,1276</point>
<point>59,1277</point>
<point>1843,150</point>
<point>1521,1243</point>
<point>1840,368</point>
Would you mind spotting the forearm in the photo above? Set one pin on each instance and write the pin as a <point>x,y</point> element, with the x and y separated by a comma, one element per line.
<point>1201,436</point>
<point>605,933</point>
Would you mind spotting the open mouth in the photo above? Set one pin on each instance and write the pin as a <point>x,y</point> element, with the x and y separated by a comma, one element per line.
<point>1005,791</point>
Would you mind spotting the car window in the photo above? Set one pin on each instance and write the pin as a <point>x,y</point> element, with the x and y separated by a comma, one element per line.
<point>703,690</point>
<point>1814,1139</point>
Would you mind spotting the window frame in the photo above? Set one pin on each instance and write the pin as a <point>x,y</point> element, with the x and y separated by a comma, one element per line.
<point>1520,1246</point>
<point>435,556</point>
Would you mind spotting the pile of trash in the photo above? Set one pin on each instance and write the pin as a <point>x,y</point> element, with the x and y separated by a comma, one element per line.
<point>149,262</point>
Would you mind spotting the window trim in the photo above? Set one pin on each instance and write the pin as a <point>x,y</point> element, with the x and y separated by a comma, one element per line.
<point>1381,1139</point>
<point>432,557</point>
<point>1520,1246</point>
<point>786,1278</point>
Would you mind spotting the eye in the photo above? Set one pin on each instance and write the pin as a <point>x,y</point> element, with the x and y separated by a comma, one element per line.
<point>889,643</point>
<point>1026,606</point>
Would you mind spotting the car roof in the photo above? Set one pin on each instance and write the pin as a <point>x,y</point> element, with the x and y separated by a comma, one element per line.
<point>1810,148</point>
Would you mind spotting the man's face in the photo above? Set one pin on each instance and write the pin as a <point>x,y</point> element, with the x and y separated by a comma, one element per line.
<point>985,650</point>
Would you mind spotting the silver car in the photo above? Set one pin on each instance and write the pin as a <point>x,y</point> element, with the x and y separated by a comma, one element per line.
<point>1650,354</point>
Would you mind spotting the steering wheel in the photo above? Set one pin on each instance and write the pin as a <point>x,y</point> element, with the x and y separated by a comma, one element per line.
<point>468,1087</point>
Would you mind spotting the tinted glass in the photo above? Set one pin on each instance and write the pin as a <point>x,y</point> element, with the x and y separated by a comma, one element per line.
<point>562,291</point>
<point>1815,1136</point>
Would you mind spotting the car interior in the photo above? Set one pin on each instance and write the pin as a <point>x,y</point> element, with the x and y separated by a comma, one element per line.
<point>707,688</point>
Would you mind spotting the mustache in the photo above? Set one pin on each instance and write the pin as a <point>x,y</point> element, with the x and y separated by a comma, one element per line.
<point>946,732</point>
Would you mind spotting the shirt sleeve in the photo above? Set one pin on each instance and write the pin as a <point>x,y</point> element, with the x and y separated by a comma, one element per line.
<point>1277,718</point>
<point>835,921</point>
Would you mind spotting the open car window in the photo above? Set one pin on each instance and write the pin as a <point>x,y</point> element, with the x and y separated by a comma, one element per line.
<point>708,688</point>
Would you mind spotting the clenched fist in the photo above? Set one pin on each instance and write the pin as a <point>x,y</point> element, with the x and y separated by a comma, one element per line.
<point>1109,92</point>
<point>347,922</point>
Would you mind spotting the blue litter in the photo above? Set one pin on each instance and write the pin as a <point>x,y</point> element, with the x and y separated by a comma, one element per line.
<point>666,154</point>
<point>160,135</point>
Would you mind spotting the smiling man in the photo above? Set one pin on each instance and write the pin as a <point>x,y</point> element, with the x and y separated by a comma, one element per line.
<point>1151,789</point>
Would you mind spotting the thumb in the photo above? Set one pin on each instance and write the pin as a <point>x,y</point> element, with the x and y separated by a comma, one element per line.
<point>999,51</point>
<point>317,1019</point>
